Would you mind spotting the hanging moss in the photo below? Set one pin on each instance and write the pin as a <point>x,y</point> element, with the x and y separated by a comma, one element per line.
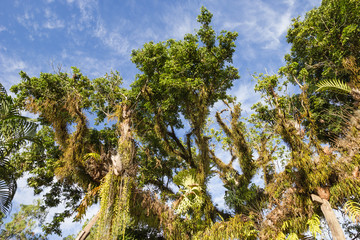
<point>115,217</point>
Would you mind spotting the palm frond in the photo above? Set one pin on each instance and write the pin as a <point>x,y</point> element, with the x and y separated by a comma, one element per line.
<point>7,107</point>
<point>352,209</point>
<point>2,90</point>
<point>7,186</point>
<point>15,130</point>
<point>334,85</point>
<point>17,126</point>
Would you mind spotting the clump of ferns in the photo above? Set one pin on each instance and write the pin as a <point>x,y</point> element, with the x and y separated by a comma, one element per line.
<point>313,225</point>
<point>237,227</point>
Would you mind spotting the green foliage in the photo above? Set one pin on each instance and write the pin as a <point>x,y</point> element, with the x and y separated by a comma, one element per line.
<point>322,44</point>
<point>160,135</point>
<point>179,82</point>
<point>293,236</point>
<point>353,210</point>
<point>334,85</point>
<point>191,192</point>
<point>237,227</point>
<point>14,131</point>
<point>306,169</point>
<point>131,233</point>
<point>24,222</point>
<point>314,225</point>
<point>115,195</point>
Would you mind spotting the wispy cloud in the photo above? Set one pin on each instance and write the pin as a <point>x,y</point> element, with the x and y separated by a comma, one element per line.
<point>11,64</point>
<point>260,22</point>
<point>28,20</point>
<point>246,95</point>
<point>180,18</point>
<point>52,21</point>
<point>113,38</point>
<point>88,10</point>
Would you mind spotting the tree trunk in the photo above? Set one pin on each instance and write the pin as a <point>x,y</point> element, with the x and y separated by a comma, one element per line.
<point>86,231</point>
<point>126,152</point>
<point>330,217</point>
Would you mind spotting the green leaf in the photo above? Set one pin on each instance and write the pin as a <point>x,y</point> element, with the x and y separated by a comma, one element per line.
<point>352,208</point>
<point>334,85</point>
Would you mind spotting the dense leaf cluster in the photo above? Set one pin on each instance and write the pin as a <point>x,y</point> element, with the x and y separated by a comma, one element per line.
<point>154,149</point>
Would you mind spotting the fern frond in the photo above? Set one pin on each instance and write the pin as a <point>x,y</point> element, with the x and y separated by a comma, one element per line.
<point>352,208</point>
<point>93,155</point>
<point>281,236</point>
<point>293,236</point>
<point>334,85</point>
<point>314,225</point>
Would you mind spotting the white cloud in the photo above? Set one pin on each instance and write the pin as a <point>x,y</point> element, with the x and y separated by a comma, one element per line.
<point>246,95</point>
<point>39,19</point>
<point>28,21</point>
<point>88,12</point>
<point>53,24</point>
<point>113,38</point>
<point>291,3</point>
<point>179,20</point>
<point>2,28</point>
<point>11,64</point>
<point>260,22</point>
<point>52,21</point>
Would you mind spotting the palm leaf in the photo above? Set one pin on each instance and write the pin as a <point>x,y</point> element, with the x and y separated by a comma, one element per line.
<point>7,186</point>
<point>15,130</point>
<point>2,90</point>
<point>334,85</point>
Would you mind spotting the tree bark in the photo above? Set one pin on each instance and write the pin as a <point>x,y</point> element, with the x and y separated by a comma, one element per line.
<point>330,217</point>
<point>86,231</point>
<point>126,151</point>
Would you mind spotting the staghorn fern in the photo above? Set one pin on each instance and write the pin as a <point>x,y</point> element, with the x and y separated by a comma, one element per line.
<point>352,208</point>
<point>334,85</point>
<point>190,190</point>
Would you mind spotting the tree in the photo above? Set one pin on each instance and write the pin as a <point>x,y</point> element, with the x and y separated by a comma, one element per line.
<point>14,131</point>
<point>311,172</point>
<point>24,222</point>
<point>180,82</point>
<point>159,146</point>
<point>326,45</point>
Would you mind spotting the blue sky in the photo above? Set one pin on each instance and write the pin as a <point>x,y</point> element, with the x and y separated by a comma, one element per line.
<point>98,36</point>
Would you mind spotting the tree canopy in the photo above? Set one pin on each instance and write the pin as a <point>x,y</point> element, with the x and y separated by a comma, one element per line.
<point>149,159</point>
